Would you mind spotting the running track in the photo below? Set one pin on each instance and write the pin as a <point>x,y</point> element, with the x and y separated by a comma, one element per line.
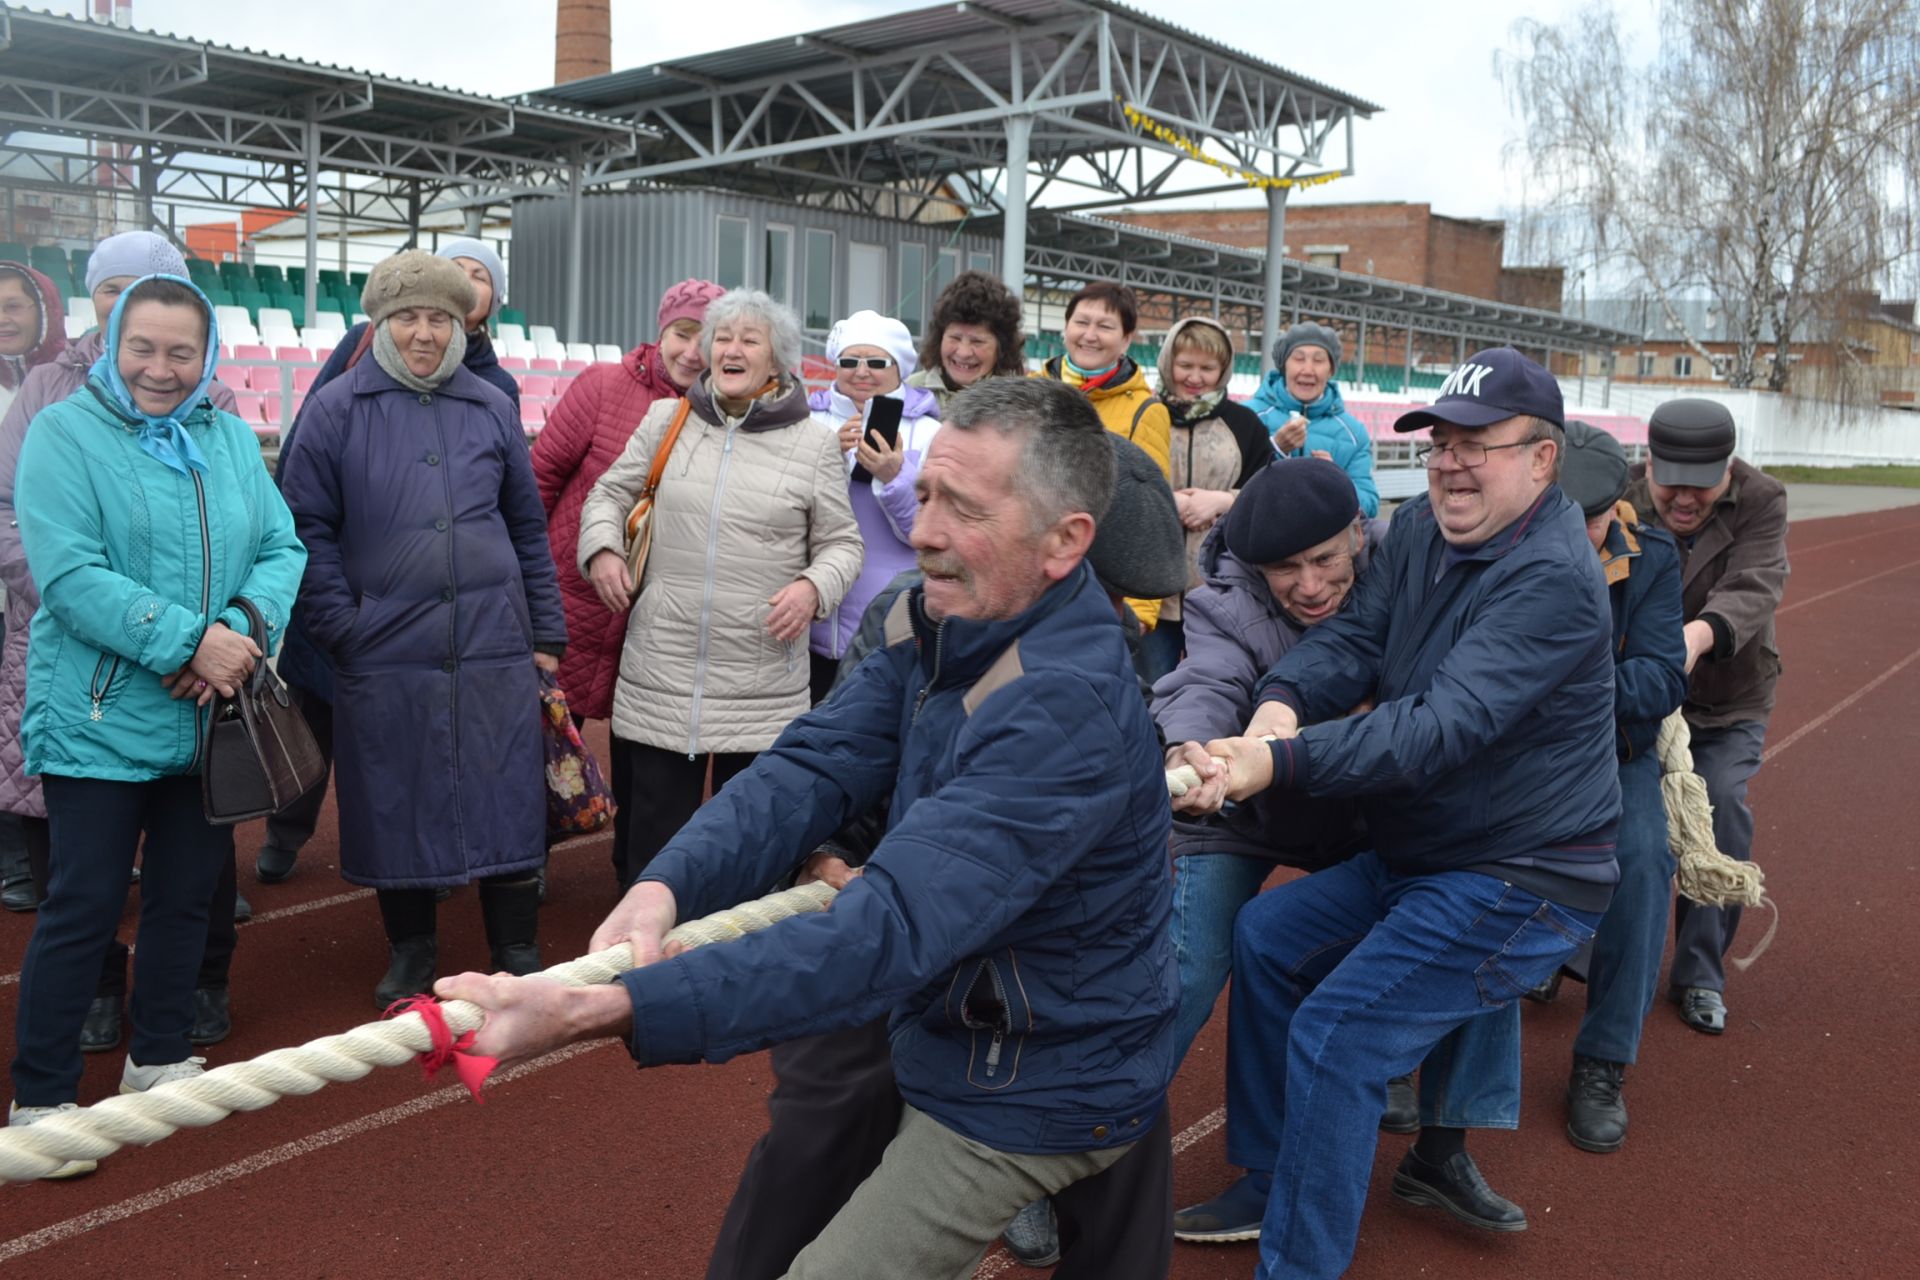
<point>1785,1149</point>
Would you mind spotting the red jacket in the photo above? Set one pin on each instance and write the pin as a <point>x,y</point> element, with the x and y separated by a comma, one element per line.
<point>583,436</point>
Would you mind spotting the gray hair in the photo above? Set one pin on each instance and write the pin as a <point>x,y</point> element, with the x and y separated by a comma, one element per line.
<point>1556,434</point>
<point>1066,464</point>
<point>751,306</point>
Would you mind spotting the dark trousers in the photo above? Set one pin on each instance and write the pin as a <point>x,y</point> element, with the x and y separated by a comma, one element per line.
<point>95,827</point>
<point>1622,966</point>
<point>1726,760</point>
<point>657,791</point>
<point>833,1112</point>
<point>223,935</point>
<point>292,827</point>
<point>821,673</point>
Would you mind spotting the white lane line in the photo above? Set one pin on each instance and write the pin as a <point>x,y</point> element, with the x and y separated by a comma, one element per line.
<point>1838,707</point>
<point>1000,1261</point>
<point>60,1232</point>
<point>1859,582</point>
<point>1858,537</point>
<point>341,899</point>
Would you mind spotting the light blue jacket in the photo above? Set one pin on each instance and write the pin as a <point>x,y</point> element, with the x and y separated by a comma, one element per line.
<point>1330,428</point>
<point>134,560</point>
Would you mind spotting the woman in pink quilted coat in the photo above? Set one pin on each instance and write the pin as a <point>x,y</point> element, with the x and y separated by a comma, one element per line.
<point>587,430</point>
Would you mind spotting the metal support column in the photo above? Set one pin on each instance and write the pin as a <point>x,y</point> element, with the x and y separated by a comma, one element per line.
<point>1406,383</point>
<point>1276,270</point>
<point>575,232</point>
<point>1360,356</point>
<point>413,215</point>
<point>1013,245</point>
<point>476,221</point>
<point>312,160</point>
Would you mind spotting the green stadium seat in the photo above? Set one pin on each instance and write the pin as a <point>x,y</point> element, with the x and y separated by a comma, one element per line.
<point>236,276</point>
<point>358,280</point>
<point>11,252</point>
<point>218,296</point>
<point>330,277</point>
<point>252,301</point>
<point>513,315</point>
<point>269,275</point>
<point>202,272</point>
<point>80,258</point>
<point>324,303</point>
<point>48,260</point>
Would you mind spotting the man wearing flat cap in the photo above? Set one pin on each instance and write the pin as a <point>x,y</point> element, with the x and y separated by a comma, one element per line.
<point>1731,522</point>
<point>1486,776</point>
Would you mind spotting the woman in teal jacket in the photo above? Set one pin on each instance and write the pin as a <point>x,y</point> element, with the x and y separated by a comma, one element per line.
<point>1300,404</point>
<point>144,512</point>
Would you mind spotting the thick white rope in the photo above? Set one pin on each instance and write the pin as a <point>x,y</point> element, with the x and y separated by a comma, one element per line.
<point>145,1118</point>
<point>1704,874</point>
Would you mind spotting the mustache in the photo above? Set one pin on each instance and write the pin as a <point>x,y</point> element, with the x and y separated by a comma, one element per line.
<point>941,566</point>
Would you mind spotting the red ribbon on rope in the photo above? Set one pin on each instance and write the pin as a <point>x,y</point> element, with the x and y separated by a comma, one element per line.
<point>472,1068</point>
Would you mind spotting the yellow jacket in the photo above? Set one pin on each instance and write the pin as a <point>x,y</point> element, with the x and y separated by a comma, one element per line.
<point>1127,407</point>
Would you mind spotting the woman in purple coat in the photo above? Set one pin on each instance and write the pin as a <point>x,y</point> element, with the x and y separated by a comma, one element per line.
<point>430,588</point>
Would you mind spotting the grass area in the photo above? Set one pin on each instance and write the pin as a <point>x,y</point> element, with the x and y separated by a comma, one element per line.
<point>1898,477</point>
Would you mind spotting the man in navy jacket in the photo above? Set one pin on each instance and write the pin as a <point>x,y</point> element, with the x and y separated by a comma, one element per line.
<point>1486,776</point>
<point>1013,920</point>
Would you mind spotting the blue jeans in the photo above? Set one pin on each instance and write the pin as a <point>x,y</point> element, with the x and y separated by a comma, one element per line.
<point>1623,976</point>
<point>1350,977</point>
<point>1160,650</point>
<point>1471,1080</point>
<point>96,826</point>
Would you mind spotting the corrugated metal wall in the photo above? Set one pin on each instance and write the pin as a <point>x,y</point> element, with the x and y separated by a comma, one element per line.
<point>635,244</point>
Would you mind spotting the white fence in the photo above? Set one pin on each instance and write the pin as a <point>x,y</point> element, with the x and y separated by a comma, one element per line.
<point>1790,430</point>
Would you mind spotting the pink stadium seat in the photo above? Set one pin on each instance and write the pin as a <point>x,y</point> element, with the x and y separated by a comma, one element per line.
<point>226,353</point>
<point>264,378</point>
<point>533,413</point>
<point>542,365</point>
<point>514,364</point>
<point>303,379</point>
<point>252,408</point>
<point>270,406</point>
<point>575,366</point>
<point>536,386</point>
<point>250,351</point>
<point>293,355</point>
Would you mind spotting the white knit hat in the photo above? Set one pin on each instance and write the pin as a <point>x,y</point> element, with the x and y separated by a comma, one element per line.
<point>871,329</point>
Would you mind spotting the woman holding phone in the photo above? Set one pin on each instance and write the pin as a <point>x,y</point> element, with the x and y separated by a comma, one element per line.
<point>884,427</point>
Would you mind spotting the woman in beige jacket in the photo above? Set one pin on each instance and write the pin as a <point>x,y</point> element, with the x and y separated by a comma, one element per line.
<point>753,540</point>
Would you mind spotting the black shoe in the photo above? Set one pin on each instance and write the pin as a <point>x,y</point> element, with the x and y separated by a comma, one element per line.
<point>411,969</point>
<point>1702,1009</point>
<point>20,894</point>
<point>511,912</point>
<point>212,1016</point>
<point>1457,1187</point>
<point>101,1031</point>
<point>1548,988</point>
<point>242,909</point>
<point>1403,1107</point>
<point>274,864</point>
<point>1596,1117</point>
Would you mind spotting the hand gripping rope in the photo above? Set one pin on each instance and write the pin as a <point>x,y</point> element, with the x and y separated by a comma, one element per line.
<point>145,1118</point>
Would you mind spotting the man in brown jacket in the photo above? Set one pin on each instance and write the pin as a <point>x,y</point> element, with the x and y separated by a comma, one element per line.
<point>1730,520</point>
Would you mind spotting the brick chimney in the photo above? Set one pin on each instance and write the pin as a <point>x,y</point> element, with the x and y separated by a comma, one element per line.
<point>583,40</point>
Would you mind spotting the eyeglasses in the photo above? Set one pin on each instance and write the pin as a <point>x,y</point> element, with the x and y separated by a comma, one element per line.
<point>1468,453</point>
<point>868,362</point>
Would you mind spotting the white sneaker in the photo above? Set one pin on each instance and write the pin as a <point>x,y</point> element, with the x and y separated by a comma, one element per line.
<point>139,1079</point>
<point>20,1117</point>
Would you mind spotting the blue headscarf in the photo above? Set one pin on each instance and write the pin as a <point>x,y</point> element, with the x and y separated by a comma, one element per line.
<point>165,437</point>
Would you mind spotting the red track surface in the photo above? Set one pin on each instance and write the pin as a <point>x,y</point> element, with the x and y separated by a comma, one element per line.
<point>1786,1148</point>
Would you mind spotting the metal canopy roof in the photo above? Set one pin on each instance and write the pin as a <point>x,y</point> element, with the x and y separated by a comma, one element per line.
<point>921,99</point>
<point>1067,250</point>
<point>184,110</point>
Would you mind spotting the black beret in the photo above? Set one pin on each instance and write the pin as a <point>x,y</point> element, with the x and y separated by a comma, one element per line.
<point>1290,505</point>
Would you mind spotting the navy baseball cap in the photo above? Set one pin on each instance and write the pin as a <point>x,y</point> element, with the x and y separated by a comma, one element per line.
<point>1492,386</point>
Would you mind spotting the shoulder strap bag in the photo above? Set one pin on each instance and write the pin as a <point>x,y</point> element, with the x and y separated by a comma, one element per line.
<point>640,519</point>
<point>258,756</point>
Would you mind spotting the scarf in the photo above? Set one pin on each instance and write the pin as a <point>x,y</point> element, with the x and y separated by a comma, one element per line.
<point>386,354</point>
<point>1186,413</point>
<point>1092,379</point>
<point>163,436</point>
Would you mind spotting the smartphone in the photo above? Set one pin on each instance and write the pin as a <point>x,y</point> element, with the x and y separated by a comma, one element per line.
<point>883,420</point>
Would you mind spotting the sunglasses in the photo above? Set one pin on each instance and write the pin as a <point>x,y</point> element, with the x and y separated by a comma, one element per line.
<point>870,362</point>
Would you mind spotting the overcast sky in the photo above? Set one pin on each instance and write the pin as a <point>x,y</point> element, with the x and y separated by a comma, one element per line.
<point>1439,139</point>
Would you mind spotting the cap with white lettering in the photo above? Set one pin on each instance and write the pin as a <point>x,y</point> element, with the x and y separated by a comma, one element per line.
<point>1492,386</point>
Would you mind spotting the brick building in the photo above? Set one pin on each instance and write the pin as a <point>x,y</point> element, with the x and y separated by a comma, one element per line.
<point>1393,240</point>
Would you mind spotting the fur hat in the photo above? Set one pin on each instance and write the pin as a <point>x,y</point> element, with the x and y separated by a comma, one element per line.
<point>416,278</point>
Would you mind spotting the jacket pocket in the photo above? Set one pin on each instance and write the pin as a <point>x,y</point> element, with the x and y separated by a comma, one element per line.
<point>988,999</point>
<point>1529,956</point>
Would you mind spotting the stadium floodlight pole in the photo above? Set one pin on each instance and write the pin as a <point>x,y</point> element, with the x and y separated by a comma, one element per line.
<point>1276,245</point>
<point>574,249</point>
<point>1013,244</point>
<point>311,284</point>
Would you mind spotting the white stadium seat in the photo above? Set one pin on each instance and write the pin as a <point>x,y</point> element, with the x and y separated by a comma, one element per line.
<point>580,351</point>
<point>509,332</point>
<point>607,353</point>
<point>549,349</point>
<point>542,333</point>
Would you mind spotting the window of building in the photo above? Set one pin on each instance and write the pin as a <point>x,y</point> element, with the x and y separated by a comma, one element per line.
<point>819,284</point>
<point>945,268</point>
<point>730,268</point>
<point>913,287</point>
<point>980,261</point>
<point>867,278</point>
<point>779,261</point>
<point>1683,366</point>
<point>1644,365</point>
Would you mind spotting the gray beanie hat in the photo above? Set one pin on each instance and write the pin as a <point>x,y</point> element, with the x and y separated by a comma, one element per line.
<point>133,253</point>
<point>482,253</point>
<point>1593,468</point>
<point>1306,334</point>
<point>416,278</point>
<point>1140,547</point>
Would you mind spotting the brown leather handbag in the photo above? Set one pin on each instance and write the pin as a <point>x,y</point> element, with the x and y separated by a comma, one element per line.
<point>640,519</point>
<point>258,756</point>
